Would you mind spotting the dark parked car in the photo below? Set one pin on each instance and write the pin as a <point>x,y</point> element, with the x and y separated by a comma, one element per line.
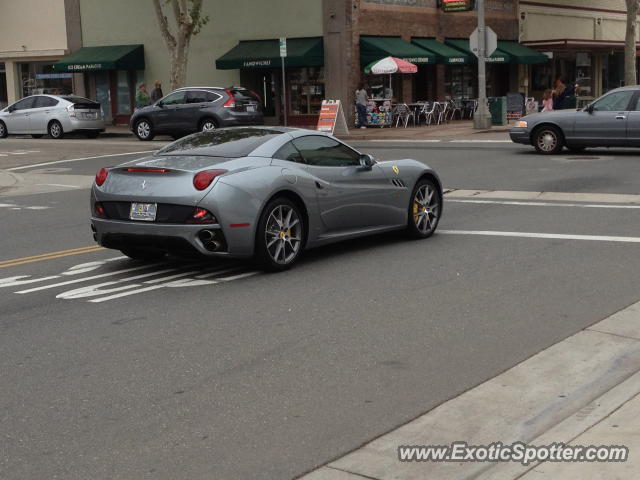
<point>197,109</point>
<point>610,121</point>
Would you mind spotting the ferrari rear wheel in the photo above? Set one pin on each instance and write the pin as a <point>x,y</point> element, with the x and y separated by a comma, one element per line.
<point>424,209</point>
<point>142,254</point>
<point>280,235</point>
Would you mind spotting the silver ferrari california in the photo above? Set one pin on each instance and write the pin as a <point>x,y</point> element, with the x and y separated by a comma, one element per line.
<point>262,192</point>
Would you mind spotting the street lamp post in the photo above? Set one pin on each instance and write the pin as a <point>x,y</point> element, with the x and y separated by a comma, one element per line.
<point>482,118</point>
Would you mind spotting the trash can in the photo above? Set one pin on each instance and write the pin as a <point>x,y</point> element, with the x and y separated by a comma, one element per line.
<point>498,110</point>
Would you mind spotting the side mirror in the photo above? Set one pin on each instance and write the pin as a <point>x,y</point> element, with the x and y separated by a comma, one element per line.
<point>366,161</point>
<point>160,104</point>
<point>589,108</point>
<point>11,109</point>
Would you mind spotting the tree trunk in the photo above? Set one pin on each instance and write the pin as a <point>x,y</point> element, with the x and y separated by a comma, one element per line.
<point>178,44</point>
<point>630,43</point>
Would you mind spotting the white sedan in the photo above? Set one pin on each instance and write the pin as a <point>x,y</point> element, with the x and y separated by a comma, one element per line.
<point>55,115</point>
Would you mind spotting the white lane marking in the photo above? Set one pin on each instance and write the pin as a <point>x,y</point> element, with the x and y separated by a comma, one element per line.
<point>557,236</point>
<point>170,277</point>
<point>56,185</point>
<point>237,277</point>
<point>89,266</point>
<point>480,141</point>
<point>543,204</point>
<point>3,155</point>
<point>544,196</point>
<point>95,290</point>
<point>85,279</point>
<point>401,141</point>
<point>219,272</point>
<point>26,167</point>
<point>13,206</point>
<point>124,294</point>
<point>22,280</point>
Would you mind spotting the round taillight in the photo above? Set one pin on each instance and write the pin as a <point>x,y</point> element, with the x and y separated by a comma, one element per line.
<point>101,176</point>
<point>202,180</point>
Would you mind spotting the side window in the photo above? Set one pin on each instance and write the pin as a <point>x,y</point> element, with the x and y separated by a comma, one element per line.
<point>176,98</point>
<point>618,101</point>
<point>211,97</point>
<point>289,152</point>
<point>326,152</point>
<point>196,96</point>
<point>42,102</point>
<point>25,103</point>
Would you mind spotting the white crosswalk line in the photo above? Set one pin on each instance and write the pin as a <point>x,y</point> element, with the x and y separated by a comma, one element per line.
<point>544,204</point>
<point>237,277</point>
<point>86,279</point>
<point>556,236</point>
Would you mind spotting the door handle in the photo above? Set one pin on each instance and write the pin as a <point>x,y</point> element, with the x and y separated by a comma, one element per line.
<point>621,117</point>
<point>319,185</point>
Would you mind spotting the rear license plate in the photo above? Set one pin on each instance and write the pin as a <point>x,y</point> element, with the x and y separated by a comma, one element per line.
<point>91,116</point>
<point>143,211</point>
<point>251,108</point>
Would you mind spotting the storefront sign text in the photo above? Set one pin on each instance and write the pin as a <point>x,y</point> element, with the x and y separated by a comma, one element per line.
<point>257,63</point>
<point>416,59</point>
<point>85,66</point>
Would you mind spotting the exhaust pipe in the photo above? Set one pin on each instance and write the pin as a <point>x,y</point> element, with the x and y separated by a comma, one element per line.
<point>208,239</point>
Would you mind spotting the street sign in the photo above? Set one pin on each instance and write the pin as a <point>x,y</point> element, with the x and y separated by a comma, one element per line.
<point>491,42</point>
<point>283,47</point>
<point>457,5</point>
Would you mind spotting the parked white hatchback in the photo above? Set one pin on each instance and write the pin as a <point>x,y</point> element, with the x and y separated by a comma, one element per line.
<point>55,115</point>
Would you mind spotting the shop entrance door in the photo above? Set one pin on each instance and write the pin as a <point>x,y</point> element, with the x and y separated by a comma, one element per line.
<point>103,95</point>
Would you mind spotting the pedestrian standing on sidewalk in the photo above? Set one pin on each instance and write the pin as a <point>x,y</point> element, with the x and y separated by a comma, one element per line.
<point>142,97</point>
<point>547,100</point>
<point>361,105</point>
<point>559,94</point>
<point>157,92</point>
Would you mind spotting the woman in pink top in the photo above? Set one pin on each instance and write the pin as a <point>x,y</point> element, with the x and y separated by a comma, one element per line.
<point>547,100</point>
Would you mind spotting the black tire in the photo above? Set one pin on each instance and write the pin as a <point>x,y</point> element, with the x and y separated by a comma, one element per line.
<point>207,124</point>
<point>92,134</point>
<point>548,140</point>
<point>37,135</point>
<point>275,240</point>
<point>425,209</point>
<point>140,254</point>
<point>55,130</point>
<point>144,130</point>
<point>3,130</point>
<point>576,149</point>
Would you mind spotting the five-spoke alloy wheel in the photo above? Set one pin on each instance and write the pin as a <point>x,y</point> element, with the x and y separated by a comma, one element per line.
<point>280,235</point>
<point>144,130</point>
<point>207,125</point>
<point>55,130</point>
<point>424,209</point>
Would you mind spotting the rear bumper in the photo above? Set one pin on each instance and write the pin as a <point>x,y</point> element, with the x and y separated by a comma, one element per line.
<point>520,136</point>
<point>75,125</point>
<point>119,234</point>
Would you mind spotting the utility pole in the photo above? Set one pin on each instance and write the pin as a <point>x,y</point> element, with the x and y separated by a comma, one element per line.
<point>482,118</point>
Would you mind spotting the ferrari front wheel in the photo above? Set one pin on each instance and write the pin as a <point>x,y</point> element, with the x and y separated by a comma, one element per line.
<point>424,209</point>
<point>280,234</point>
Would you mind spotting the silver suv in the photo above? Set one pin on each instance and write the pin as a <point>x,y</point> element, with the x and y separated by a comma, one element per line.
<point>52,114</point>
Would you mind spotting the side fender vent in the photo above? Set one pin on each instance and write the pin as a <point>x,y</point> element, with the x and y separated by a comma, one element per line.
<point>398,183</point>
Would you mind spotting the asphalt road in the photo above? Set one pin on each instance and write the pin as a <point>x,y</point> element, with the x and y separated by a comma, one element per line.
<point>111,368</point>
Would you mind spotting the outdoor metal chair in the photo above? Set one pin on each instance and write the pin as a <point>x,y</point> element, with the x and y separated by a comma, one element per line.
<point>427,112</point>
<point>454,109</point>
<point>404,113</point>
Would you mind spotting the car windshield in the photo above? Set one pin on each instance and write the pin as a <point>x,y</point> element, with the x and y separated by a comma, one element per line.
<point>233,142</point>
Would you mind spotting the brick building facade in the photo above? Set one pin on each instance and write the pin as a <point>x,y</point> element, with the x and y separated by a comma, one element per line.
<point>346,21</point>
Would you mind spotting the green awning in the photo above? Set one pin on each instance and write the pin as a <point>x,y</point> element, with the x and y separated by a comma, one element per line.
<point>377,48</point>
<point>111,57</point>
<point>301,52</point>
<point>522,54</point>
<point>463,45</point>
<point>444,53</point>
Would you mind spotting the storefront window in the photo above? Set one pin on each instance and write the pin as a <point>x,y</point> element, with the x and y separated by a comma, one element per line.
<point>306,90</point>
<point>39,77</point>
<point>459,82</point>
<point>124,93</point>
<point>3,86</point>
<point>102,93</point>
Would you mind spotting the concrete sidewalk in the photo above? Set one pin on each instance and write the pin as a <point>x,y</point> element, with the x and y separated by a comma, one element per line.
<point>455,128</point>
<point>582,391</point>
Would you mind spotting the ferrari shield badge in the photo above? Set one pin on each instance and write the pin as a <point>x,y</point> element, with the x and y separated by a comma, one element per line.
<point>395,169</point>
